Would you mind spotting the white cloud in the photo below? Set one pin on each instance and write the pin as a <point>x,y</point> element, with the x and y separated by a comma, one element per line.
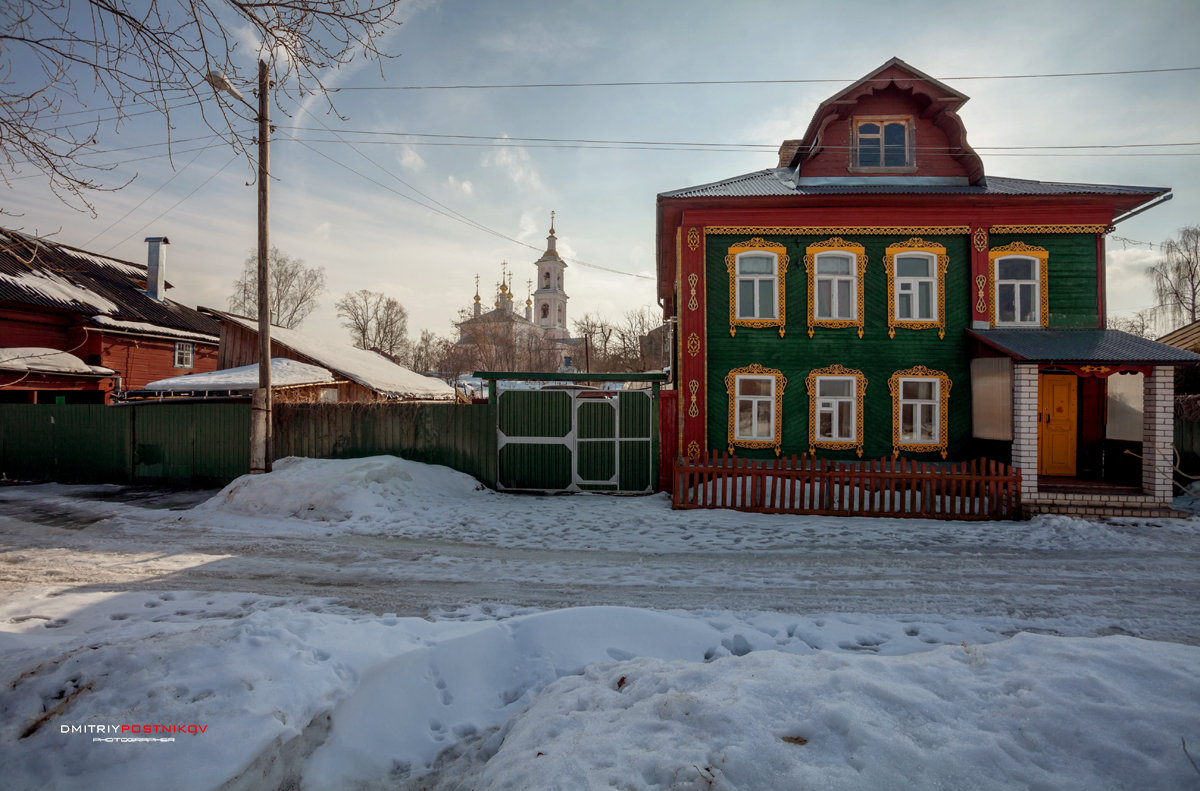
<point>411,160</point>
<point>463,186</point>
<point>515,163</point>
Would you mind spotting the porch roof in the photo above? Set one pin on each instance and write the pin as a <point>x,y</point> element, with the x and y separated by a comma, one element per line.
<point>1082,346</point>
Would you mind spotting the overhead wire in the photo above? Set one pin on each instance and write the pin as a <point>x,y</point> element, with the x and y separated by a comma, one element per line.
<point>801,81</point>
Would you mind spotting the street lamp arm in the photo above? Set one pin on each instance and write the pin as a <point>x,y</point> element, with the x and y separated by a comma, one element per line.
<point>221,84</point>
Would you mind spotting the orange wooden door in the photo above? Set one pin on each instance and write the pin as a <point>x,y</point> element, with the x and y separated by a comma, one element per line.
<point>1057,424</point>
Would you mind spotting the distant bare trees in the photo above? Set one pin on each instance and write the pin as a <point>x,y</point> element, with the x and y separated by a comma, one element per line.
<point>375,321</point>
<point>1140,323</point>
<point>1177,279</point>
<point>128,57</point>
<point>623,346</point>
<point>294,289</point>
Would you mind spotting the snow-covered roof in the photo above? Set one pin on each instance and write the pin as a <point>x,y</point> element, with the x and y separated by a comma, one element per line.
<point>46,274</point>
<point>145,328</point>
<point>36,359</point>
<point>284,373</point>
<point>369,369</point>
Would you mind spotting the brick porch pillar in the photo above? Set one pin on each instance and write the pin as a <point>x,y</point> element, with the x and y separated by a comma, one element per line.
<point>1025,426</point>
<point>1158,432</point>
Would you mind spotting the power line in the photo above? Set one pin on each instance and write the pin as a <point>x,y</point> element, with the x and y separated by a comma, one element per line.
<point>455,216</point>
<point>631,84</point>
<point>171,208</point>
<point>752,146</point>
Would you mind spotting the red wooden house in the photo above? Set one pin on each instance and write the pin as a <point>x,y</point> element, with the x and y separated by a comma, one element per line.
<point>76,326</point>
<point>875,294</point>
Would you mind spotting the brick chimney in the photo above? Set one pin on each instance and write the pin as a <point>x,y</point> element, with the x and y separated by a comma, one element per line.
<point>156,266</point>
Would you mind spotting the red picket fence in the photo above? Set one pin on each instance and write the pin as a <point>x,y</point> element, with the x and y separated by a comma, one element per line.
<point>980,489</point>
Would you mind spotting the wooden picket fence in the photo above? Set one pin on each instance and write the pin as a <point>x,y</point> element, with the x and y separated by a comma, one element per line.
<point>891,486</point>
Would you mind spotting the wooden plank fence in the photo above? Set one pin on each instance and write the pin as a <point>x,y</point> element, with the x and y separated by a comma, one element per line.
<point>891,486</point>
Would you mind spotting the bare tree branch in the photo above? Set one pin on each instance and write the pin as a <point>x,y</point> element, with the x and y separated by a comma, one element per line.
<point>61,59</point>
<point>376,321</point>
<point>1177,279</point>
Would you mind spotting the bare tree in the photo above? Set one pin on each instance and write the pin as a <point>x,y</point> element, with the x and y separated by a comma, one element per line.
<point>633,353</point>
<point>427,353</point>
<point>1140,323</point>
<point>64,58</point>
<point>376,321</point>
<point>294,289</point>
<point>1177,279</point>
<point>501,343</point>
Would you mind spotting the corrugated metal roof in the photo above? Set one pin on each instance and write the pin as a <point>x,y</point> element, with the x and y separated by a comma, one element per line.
<point>1083,346</point>
<point>43,273</point>
<point>1186,337</point>
<point>781,181</point>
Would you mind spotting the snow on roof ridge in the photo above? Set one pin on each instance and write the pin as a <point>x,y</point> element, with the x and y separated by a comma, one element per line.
<point>142,326</point>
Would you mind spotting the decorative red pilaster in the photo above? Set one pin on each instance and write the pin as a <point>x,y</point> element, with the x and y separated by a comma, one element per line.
<point>693,352</point>
<point>981,286</point>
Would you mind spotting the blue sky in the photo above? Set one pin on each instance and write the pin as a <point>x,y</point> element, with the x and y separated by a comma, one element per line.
<point>369,236</point>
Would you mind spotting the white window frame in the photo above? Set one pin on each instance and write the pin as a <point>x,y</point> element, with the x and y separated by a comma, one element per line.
<point>769,435</point>
<point>914,282</point>
<point>1036,265</point>
<point>934,402</point>
<point>876,141</point>
<point>852,278</point>
<point>757,279</point>
<point>829,405</point>
<point>184,354</point>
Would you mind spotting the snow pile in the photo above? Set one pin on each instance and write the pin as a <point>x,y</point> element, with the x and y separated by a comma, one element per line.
<point>1033,711</point>
<point>592,697</point>
<point>368,368</point>
<point>41,360</point>
<point>284,373</point>
<point>353,494</point>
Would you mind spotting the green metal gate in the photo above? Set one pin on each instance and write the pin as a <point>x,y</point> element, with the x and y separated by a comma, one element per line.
<point>575,440</point>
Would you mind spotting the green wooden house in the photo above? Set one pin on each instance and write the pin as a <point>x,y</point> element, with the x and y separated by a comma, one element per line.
<point>877,294</point>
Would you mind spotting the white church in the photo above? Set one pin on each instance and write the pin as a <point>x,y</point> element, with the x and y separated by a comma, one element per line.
<point>501,339</point>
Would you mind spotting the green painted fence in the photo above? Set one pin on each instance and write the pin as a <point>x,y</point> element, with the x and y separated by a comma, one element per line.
<point>205,444</point>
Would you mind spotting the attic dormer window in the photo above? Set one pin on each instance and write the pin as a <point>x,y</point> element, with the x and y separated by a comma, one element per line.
<point>882,143</point>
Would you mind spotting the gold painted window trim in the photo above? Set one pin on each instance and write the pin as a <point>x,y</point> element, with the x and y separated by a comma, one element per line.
<point>731,389</point>
<point>860,389</point>
<point>941,261</point>
<point>757,245</point>
<point>838,245</point>
<point>921,372</point>
<point>1022,250</point>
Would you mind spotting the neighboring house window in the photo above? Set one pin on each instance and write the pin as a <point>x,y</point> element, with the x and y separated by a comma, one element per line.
<point>1019,273</point>
<point>755,407</point>
<point>835,284</point>
<point>835,408</point>
<point>757,269</point>
<point>920,399</point>
<point>882,144</point>
<point>916,272</point>
<point>183,354</point>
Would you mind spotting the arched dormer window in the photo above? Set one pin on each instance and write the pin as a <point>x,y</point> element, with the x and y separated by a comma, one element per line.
<point>882,143</point>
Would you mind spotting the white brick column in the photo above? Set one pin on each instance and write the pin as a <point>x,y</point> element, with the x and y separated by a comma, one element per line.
<point>1025,425</point>
<point>1158,432</point>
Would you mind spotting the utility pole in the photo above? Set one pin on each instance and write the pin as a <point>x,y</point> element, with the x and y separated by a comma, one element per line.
<point>260,425</point>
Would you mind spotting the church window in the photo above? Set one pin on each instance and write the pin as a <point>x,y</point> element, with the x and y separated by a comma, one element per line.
<point>545,311</point>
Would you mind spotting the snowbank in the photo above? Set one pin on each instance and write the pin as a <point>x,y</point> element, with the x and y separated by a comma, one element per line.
<point>587,698</point>
<point>348,494</point>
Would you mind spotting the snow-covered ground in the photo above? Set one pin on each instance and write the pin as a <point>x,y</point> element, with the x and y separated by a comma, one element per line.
<point>376,623</point>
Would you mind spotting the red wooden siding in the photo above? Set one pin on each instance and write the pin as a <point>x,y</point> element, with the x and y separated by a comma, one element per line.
<point>140,361</point>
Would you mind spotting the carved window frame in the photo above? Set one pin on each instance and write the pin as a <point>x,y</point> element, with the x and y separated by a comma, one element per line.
<point>855,251</point>
<point>759,246</point>
<point>1021,250</point>
<point>756,371</point>
<point>882,121</point>
<point>940,260</point>
<point>942,400</point>
<point>860,388</point>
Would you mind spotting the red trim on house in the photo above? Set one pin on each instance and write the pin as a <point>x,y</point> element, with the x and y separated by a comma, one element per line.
<point>692,383</point>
